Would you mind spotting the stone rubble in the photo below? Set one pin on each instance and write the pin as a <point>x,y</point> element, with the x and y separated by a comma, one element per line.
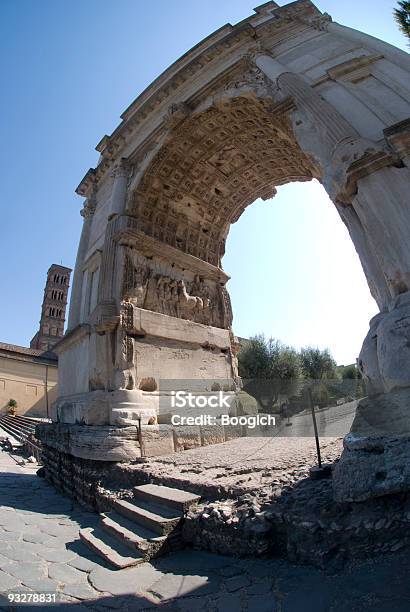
<point>301,523</point>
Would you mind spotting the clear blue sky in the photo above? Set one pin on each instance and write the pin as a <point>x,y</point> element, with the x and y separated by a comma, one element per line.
<point>69,68</point>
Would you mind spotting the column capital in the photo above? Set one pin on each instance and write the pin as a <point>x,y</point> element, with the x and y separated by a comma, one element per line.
<point>121,169</point>
<point>89,207</point>
<point>319,22</point>
<point>268,65</point>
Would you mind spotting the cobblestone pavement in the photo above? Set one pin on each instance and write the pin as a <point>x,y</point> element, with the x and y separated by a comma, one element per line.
<point>40,552</point>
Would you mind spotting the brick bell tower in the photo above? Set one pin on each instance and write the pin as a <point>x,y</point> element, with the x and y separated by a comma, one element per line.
<point>53,309</point>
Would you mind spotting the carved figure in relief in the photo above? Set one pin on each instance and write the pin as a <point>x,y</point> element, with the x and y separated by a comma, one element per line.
<point>123,357</point>
<point>189,302</point>
<point>201,289</point>
<point>124,366</point>
<point>174,299</point>
<point>147,288</point>
<point>136,279</point>
<point>162,293</point>
<point>138,292</point>
<point>126,315</point>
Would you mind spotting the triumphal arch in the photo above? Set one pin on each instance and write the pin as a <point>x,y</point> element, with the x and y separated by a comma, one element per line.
<point>285,95</point>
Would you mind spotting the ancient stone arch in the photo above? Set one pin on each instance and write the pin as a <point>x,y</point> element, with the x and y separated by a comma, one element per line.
<point>285,95</point>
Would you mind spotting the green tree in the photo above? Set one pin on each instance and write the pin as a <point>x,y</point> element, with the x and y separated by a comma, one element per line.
<point>320,370</point>
<point>352,385</point>
<point>349,372</point>
<point>317,363</point>
<point>402,16</point>
<point>270,370</point>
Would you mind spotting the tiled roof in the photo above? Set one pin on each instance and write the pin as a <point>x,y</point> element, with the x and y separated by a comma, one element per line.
<point>29,352</point>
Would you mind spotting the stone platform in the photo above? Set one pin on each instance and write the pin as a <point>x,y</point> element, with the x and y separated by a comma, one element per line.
<point>233,468</point>
<point>259,500</point>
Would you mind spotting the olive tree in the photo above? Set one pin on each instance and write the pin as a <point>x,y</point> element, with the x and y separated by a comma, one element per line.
<point>270,370</point>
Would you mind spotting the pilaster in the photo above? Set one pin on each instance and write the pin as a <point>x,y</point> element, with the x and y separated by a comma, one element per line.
<point>75,301</point>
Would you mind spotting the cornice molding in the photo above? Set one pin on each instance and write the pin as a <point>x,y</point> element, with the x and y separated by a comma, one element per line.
<point>149,246</point>
<point>227,39</point>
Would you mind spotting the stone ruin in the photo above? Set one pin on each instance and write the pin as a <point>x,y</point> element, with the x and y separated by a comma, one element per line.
<point>285,95</point>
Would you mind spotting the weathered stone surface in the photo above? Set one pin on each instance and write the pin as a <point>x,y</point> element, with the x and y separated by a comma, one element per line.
<point>79,591</point>
<point>42,585</point>
<point>84,564</point>
<point>111,549</point>
<point>133,580</point>
<point>173,586</point>
<point>214,434</point>
<point>154,324</point>
<point>7,582</point>
<point>9,536</point>
<point>27,571</point>
<point>378,467</point>
<point>101,443</point>
<point>186,437</point>
<point>37,537</point>
<point>20,552</point>
<point>376,456</point>
<point>158,440</point>
<point>168,496</point>
<point>368,359</point>
<point>65,573</point>
<point>393,345</point>
<point>57,555</point>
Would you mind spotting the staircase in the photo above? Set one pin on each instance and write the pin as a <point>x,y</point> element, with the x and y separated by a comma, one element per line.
<point>18,426</point>
<point>136,531</point>
<point>19,430</point>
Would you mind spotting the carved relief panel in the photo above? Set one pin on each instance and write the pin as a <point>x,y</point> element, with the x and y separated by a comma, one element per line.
<point>155,284</point>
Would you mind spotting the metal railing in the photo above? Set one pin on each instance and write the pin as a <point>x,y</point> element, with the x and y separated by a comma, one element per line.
<point>20,429</point>
<point>33,450</point>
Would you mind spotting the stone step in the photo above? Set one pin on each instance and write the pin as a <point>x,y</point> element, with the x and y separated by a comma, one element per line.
<point>133,535</point>
<point>109,548</point>
<point>12,431</point>
<point>166,496</point>
<point>158,518</point>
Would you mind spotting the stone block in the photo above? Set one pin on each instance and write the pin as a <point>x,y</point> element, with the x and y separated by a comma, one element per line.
<point>376,454</point>
<point>105,443</point>
<point>212,434</point>
<point>163,326</point>
<point>186,437</point>
<point>393,345</point>
<point>376,467</point>
<point>101,443</point>
<point>233,431</point>
<point>84,408</point>
<point>157,441</point>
